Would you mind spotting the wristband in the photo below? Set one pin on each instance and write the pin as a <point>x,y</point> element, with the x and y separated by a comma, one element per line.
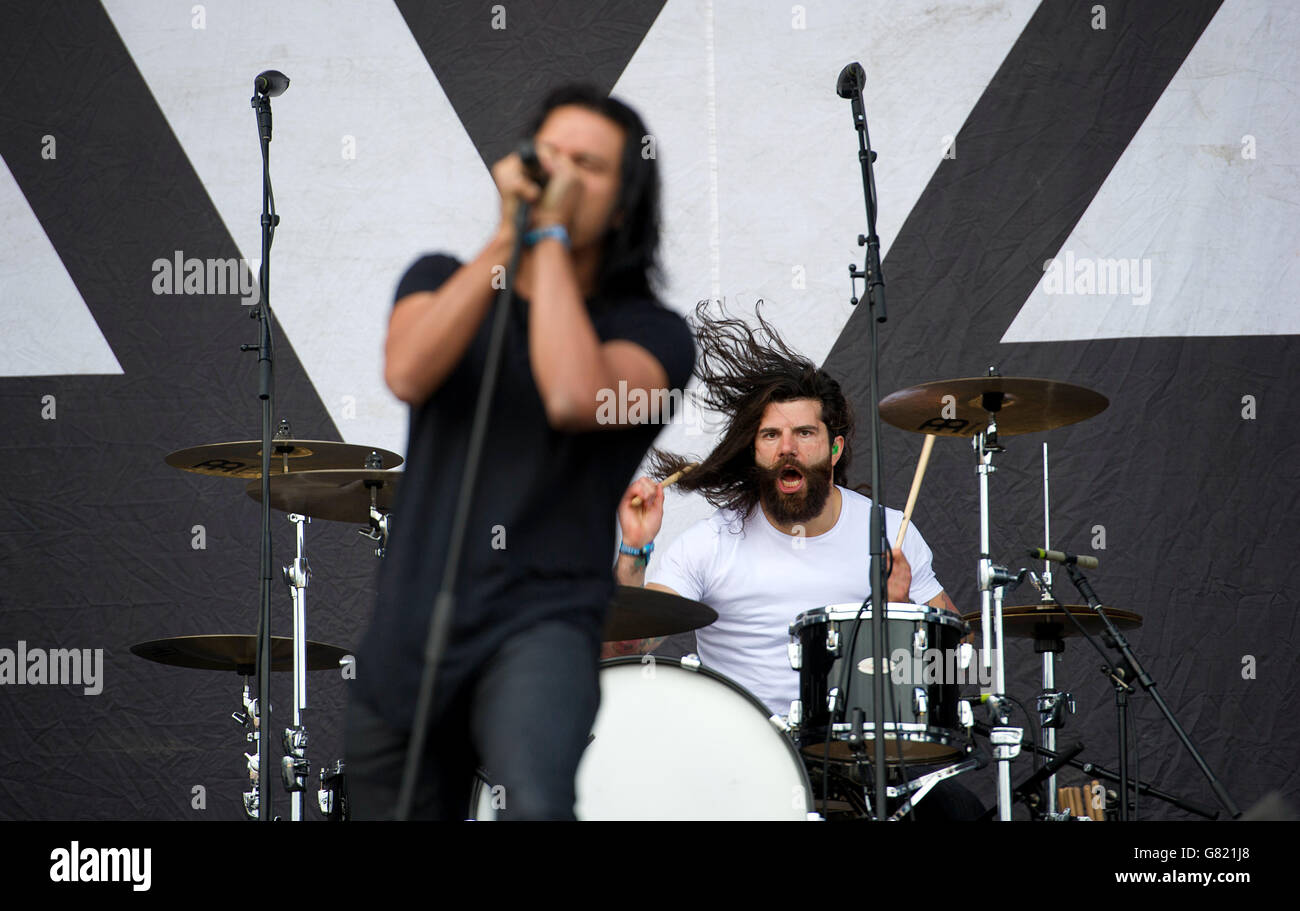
<point>641,552</point>
<point>538,234</point>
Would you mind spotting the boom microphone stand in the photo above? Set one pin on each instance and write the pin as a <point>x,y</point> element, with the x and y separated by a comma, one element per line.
<point>849,85</point>
<point>266,86</point>
<point>1115,640</point>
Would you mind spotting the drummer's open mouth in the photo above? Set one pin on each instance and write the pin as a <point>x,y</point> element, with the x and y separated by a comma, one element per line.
<point>790,480</point>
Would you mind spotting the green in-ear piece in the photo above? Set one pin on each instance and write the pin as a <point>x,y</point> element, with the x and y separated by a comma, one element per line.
<point>835,448</point>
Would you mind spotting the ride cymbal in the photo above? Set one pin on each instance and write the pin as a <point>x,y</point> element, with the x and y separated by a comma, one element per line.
<point>961,407</point>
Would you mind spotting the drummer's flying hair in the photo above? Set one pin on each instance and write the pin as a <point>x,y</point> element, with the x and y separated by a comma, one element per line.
<point>742,369</point>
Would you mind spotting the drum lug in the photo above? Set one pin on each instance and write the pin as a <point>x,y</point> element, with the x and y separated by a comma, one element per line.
<point>795,718</point>
<point>965,653</point>
<point>920,704</point>
<point>919,641</point>
<point>965,715</point>
<point>690,662</point>
<point>833,640</point>
<point>795,651</point>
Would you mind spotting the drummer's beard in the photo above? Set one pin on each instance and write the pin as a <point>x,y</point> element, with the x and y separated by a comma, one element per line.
<point>802,505</point>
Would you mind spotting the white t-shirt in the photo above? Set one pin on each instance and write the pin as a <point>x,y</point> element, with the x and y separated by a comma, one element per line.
<point>759,579</point>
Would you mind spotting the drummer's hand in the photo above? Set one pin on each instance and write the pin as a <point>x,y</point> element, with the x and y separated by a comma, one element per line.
<point>642,522</point>
<point>900,579</point>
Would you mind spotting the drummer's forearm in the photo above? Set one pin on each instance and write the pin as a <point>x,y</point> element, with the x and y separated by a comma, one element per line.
<point>630,647</point>
<point>630,570</point>
<point>943,602</point>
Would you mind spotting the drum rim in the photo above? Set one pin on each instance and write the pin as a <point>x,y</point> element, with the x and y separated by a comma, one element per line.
<point>782,731</point>
<point>894,610</point>
<point>907,731</point>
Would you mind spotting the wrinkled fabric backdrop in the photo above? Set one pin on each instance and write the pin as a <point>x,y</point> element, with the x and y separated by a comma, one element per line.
<point>1008,133</point>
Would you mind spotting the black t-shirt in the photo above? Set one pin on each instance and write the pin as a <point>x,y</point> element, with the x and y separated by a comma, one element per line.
<point>539,540</point>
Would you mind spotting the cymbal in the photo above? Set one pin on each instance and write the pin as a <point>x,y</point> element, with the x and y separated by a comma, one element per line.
<point>1019,620</point>
<point>644,613</point>
<point>1024,405</point>
<point>235,653</point>
<point>338,496</point>
<point>243,459</point>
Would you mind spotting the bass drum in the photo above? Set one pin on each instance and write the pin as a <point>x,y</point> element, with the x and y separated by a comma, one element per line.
<point>674,740</point>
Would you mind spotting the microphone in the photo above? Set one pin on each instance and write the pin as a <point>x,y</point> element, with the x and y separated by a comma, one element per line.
<point>270,83</point>
<point>532,164</point>
<point>852,79</point>
<point>1058,556</point>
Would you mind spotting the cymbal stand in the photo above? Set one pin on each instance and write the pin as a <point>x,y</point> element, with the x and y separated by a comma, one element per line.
<point>252,797</point>
<point>1052,703</point>
<point>378,530</point>
<point>992,579</point>
<point>294,768</point>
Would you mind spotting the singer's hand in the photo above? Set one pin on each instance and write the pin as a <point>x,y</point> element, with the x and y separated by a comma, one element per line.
<point>513,185</point>
<point>553,205</point>
<point>562,194</point>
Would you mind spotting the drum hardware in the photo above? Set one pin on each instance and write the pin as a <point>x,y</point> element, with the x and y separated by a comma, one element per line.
<point>239,654</point>
<point>1052,708</point>
<point>1123,670</point>
<point>916,789</point>
<point>332,798</point>
<point>251,798</point>
<point>293,765</point>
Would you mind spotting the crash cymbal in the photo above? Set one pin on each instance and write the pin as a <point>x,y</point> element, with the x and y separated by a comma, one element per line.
<point>1019,620</point>
<point>643,613</point>
<point>235,653</point>
<point>339,496</point>
<point>243,459</point>
<point>1022,404</point>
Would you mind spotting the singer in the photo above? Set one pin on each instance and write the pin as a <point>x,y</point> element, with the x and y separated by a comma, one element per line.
<point>516,691</point>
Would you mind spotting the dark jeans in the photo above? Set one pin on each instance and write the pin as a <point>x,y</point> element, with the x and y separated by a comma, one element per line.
<point>525,715</point>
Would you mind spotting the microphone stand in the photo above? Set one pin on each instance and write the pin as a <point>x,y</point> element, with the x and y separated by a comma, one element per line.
<point>445,604</point>
<point>850,83</point>
<point>1115,640</point>
<point>261,103</point>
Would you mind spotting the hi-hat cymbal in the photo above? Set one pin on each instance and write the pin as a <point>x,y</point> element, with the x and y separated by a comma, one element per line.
<point>235,653</point>
<point>644,613</point>
<point>1019,620</point>
<point>339,496</point>
<point>960,407</point>
<point>243,459</point>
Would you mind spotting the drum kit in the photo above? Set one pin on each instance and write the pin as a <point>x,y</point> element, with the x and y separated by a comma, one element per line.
<point>667,736</point>
<point>318,479</point>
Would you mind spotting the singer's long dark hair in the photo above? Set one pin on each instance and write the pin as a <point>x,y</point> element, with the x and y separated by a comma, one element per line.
<point>742,370</point>
<point>629,262</point>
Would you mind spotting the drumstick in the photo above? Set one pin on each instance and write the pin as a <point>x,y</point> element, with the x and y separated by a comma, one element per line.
<point>916,488</point>
<point>668,481</point>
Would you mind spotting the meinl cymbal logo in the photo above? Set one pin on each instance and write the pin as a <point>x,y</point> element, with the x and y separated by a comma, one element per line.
<point>25,666</point>
<point>76,864</point>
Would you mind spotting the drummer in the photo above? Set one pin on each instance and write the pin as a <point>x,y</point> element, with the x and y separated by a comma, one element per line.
<point>788,535</point>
